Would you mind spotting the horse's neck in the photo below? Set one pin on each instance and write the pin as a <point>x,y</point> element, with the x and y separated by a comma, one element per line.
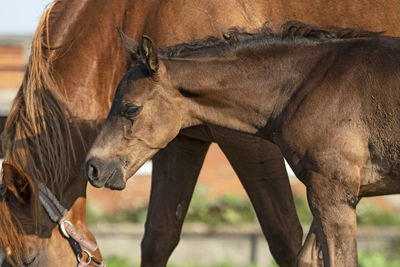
<point>91,60</point>
<point>84,49</point>
<point>242,92</point>
<point>88,58</point>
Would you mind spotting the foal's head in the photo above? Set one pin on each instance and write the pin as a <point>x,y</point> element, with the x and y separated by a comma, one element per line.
<point>144,117</point>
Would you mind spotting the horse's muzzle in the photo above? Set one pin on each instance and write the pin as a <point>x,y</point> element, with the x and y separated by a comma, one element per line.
<point>102,173</point>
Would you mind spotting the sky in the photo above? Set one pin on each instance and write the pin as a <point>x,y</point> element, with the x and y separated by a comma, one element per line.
<point>20,17</point>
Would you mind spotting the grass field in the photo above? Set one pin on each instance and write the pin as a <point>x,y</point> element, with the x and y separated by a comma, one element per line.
<point>366,259</point>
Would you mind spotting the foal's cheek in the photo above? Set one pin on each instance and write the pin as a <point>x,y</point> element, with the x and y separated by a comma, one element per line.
<point>167,128</point>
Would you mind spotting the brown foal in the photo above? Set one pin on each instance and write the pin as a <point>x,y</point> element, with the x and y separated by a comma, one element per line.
<point>328,98</point>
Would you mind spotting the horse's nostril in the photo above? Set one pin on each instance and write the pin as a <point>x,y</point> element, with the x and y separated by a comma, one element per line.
<point>92,170</point>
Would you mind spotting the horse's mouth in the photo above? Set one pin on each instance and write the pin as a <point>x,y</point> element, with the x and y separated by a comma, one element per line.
<point>115,181</point>
<point>102,173</point>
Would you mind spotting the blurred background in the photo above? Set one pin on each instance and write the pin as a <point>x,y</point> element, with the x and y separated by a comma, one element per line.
<point>221,228</point>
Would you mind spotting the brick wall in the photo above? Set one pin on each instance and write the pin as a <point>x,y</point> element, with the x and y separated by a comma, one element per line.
<point>12,65</point>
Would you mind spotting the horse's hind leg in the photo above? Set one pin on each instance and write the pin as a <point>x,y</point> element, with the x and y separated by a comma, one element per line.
<point>175,172</point>
<point>261,169</point>
<point>311,254</point>
<point>333,204</point>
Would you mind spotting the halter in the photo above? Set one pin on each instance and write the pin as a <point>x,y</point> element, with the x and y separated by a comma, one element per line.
<point>56,213</point>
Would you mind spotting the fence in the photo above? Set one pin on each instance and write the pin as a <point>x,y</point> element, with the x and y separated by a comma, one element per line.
<point>208,245</point>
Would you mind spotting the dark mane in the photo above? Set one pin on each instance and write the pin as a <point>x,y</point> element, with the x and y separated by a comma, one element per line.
<point>37,137</point>
<point>290,30</point>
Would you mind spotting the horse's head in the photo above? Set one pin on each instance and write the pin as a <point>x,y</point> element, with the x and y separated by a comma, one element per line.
<point>144,117</point>
<point>25,238</point>
<point>28,236</point>
<point>18,245</point>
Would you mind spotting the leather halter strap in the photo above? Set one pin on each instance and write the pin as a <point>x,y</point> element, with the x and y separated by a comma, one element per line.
<point>56,213</point>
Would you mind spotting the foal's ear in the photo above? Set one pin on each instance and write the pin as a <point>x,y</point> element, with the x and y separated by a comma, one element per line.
<point>129,44</point>
<point>17,182</point>
<point>149,53</point>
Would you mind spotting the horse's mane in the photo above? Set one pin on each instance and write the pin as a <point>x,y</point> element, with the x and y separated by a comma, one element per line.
<point>288,30</point>
<point>37,136</point>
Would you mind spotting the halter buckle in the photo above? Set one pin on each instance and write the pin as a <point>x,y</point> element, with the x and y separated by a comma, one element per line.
<point>62,227</point>
<point>89,258</point>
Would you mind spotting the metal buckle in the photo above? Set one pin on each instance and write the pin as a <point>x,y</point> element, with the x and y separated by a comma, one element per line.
<point>79,257</point>
<point>91,259</point>
<point>62,227</point>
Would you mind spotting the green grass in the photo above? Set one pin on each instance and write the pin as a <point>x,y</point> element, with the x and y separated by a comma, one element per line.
<point>119,261</point>
<point>136,215</point>
<point>368,214</point>
<point>371,214</point>
<point>227,209</point>
<point>376,259</point>
<point>366,259</point>
<point>230,209</point>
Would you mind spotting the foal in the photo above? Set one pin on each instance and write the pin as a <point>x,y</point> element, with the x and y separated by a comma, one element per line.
<point>331,104</point>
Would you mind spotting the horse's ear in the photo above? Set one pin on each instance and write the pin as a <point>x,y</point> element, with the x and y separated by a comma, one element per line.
<point>150,53</point>
<point>129,44</point>
<point>17,182</point>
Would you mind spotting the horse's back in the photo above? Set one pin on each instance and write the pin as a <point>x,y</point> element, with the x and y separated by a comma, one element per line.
<point>175,21</point>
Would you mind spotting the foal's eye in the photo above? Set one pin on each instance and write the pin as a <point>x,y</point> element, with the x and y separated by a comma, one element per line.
<point>130,110</point>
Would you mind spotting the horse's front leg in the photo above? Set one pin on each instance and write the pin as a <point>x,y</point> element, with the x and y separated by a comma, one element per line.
<point>261,169</point>
<point>333,203</point>
<point>175,172</point>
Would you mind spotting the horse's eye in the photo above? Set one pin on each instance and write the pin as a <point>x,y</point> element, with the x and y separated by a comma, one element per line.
<point>29,260</point>
<point>130,110</point>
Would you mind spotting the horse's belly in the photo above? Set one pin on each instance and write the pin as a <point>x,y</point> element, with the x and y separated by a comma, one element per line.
<point>379,180</point>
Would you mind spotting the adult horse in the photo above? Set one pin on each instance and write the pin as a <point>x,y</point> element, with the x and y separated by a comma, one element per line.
<point>331,104</point>
<point>72,24</point>
<point>55,115</point>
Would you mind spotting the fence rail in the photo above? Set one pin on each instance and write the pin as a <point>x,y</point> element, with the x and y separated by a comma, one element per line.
<point>208,245</point>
